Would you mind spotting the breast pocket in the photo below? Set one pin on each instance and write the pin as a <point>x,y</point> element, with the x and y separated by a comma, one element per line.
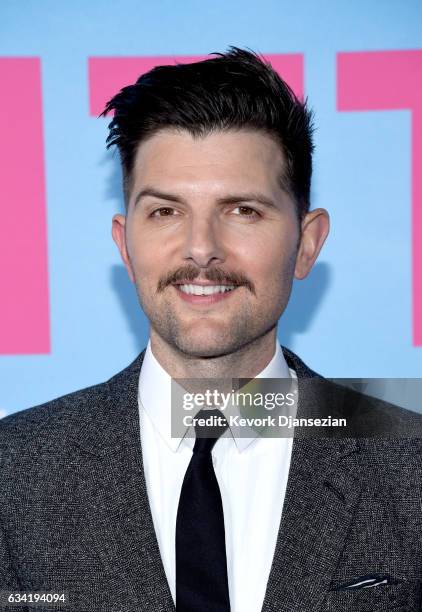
<point>402,597</point>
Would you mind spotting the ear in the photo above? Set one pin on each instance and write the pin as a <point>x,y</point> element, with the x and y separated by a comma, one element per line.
<point>119,237</point>
<point>315,228</point>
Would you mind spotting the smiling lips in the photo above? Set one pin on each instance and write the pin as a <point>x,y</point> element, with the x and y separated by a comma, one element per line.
<point>205,289</point>
<point>206,293</point>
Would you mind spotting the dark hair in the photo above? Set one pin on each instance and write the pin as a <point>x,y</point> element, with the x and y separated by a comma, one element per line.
<point>237,89</point>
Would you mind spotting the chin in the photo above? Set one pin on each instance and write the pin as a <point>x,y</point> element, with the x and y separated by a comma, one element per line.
<point>213,345</point>
<point>195,345</point>
<point>202,349</point>
<point>205,338</point>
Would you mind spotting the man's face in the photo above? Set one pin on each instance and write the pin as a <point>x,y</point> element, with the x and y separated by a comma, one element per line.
<point>210,238</point>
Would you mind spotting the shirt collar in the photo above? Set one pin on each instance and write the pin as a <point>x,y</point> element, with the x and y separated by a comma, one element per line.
<point>154,395</point>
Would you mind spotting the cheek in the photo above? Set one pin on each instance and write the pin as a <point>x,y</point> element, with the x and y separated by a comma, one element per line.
<point>145,270</point>
<point>270,258</point>
<point>143,257</point>
<point>150,253</point>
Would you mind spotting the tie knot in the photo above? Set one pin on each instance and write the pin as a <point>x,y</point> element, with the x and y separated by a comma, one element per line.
<point>211,425</point>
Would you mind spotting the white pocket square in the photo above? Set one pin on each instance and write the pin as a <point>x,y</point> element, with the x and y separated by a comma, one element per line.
<point>365,582</point>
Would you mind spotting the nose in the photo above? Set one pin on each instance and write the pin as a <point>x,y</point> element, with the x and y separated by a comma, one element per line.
<point>203,244</point>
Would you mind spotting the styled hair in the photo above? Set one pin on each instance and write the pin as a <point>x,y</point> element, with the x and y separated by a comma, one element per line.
<point>237,89</point>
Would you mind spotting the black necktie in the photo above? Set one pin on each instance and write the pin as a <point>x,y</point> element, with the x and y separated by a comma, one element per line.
<point>201,567</point>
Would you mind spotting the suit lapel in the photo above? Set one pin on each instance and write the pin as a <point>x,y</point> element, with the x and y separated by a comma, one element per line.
<point>321,496</point>
<point>118,517</point>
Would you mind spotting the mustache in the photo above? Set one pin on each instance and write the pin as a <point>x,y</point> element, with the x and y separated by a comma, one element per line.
<point>216,275</point>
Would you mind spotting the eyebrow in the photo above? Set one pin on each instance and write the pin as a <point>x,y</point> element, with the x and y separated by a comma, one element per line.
<point>228,199</point>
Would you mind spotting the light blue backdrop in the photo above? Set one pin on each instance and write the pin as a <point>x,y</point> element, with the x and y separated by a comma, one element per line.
<point>352,316</point>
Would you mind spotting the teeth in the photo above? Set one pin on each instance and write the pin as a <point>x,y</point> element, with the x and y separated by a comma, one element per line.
<point>205,290</point>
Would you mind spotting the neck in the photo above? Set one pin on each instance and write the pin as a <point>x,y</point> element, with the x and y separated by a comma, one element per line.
<point>246,362</point>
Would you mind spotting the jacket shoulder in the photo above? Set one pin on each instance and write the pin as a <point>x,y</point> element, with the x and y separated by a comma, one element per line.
<point>356,403</point>
<point>51,422</point>
<point>49,418</point>
<point>374,421</point>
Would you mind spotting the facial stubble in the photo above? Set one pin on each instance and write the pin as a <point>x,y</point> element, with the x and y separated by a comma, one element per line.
<point>216,337</point>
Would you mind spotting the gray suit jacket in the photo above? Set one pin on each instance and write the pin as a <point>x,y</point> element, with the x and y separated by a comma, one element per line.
<point>75,517</point>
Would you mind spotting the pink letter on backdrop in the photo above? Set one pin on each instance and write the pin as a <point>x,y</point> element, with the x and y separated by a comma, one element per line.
<point>388,80</point>
<point>107,75</point>
<point>24,305</point>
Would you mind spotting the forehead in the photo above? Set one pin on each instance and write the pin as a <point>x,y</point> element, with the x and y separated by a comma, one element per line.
<point>176,159</point>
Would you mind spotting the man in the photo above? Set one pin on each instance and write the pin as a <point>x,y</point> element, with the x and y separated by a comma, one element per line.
<point>99,501</point>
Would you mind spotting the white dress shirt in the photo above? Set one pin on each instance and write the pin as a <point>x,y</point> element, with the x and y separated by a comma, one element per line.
<point>251,473</point>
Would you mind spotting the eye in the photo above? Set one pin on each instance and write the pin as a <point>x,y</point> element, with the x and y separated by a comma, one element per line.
<point>246,211</point>
<point>164,211</point>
